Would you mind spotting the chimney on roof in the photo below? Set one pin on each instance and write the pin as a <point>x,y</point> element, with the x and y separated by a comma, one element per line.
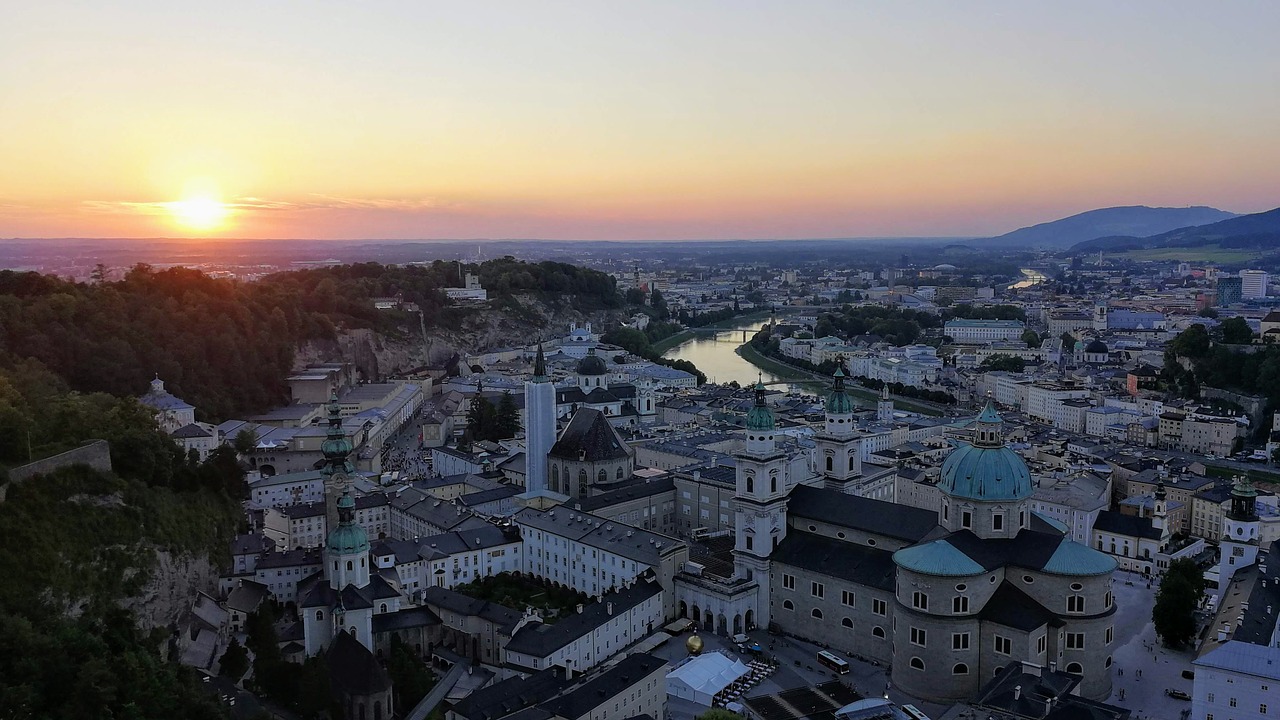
<point>609,608</point>
<point>579,608</point>
<point>1017,692</point>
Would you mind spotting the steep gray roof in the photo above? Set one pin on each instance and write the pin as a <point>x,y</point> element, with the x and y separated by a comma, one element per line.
<point>873,516</point>
<point>590,435</point>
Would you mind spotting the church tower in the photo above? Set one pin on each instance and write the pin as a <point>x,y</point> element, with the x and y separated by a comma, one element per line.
<point>760,501</point>
<point>1239,546</point>
<point>838,446</point>
<point>884,406</point>
<point>337,469</point>
<point>540,424</point>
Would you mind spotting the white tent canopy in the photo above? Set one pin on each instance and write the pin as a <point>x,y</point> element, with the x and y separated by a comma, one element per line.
<point>700,678</point>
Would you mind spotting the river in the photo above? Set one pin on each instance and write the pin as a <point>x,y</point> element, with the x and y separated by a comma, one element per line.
<point>714,354</point>
<point>1030,277</point>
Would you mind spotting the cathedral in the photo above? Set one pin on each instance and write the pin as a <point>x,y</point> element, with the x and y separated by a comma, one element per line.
<point>947,596</point>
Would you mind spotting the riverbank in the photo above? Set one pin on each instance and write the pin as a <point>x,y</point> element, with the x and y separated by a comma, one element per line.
<point>818,383</point>
<point>667,343</point>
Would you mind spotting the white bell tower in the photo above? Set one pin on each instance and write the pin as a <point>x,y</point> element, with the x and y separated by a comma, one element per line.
<point>760,502</point>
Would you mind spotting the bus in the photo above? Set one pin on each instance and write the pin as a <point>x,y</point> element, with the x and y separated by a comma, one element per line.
<point>832,662</point>
<point>914,712</point>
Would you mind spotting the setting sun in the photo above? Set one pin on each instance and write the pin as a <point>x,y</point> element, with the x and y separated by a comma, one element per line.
<point>200,209</point>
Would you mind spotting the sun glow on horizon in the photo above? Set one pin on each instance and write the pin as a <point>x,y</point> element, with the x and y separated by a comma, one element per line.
<point>200,208</point>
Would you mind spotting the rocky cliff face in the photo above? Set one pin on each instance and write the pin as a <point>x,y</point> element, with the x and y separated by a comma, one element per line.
<point>524,321</point>
<point>172,584</point>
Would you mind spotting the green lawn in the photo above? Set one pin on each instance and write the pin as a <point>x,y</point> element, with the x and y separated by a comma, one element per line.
<point>1266,479</point>
<point>518,593</point>
<point>1207,253</point>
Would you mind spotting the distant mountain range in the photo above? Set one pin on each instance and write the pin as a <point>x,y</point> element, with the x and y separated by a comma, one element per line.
<point>1133,221</point>
<point>1259,231</point>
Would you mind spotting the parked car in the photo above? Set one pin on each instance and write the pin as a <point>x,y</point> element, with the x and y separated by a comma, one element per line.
<point>1177,694</point>
<point>1189,674</point>
<point>741,639</point>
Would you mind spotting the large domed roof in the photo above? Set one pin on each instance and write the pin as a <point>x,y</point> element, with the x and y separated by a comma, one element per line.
<point>592,364</point>
<point>986,470</point>
<point>1097,346</point>
<point>986,474</point>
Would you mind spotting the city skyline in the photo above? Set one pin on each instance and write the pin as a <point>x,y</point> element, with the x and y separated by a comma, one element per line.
<point>630,122</point>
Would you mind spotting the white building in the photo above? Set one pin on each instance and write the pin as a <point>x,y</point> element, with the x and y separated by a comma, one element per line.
<point>469,292</point>
<point>967,332</point>
<point>1253,284</point>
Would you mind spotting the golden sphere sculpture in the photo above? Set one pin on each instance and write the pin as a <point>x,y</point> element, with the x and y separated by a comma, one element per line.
<point>693,645</point>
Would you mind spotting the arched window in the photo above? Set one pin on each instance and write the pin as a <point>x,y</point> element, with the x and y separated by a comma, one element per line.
<point>382,608</point>
<point>917,663</point>
<point>847,622</point>
<point>788,605</point>
<point>335,564</point>
<point>960,669</point>
<point>851,462</point>
<point>319,614</point>
<point>619,473</point>
<point>377,710</point>
<point>361,562</point>
<point>829,463</point>
<point>751,484</point>
<point>555,478</point>
<point>582,482</point>
<point>877,631</point>
<point>1108,663</point>
<point>816,613</point>
<point>350,566</point>
<point>602,476</point>
<point>1075,669</point>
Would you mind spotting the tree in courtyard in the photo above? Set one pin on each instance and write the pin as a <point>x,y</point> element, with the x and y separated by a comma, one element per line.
<point>1031,338</point>
<point>481,417</point>
<point>635,296</point>
<point>235,661</point>
<point>1176,602</point>
<point>245,441</point>
<point>1000,361</point>
<point>507,422</point>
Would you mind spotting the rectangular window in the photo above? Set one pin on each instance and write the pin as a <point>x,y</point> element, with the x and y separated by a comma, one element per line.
<point>959,641</point>
<point>789,581</point>
<point>878,607</point>
<point>817,590</point>
<point>966,519</point>
<point>1075,641</point>
<point>918,637</point>
<point>1110,635</point>
<point>997,521</point>
<point>1004,646</point>
<point>960,604</point>
<point>919,601</point>
<point>1042,643</point>
<point>1075,603</point>
<point>749,539</point>
<point>846,598</point>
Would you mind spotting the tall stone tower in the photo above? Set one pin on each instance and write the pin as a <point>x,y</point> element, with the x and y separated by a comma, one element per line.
<point>1239,544</point>
<point>838,446</point>
<point>337,468</point>
<point>760,501</point>
<point>540,424</point>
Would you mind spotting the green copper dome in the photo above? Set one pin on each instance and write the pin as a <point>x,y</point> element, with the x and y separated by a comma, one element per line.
<point>839,402</point>
<point>760,417</point>
<point>985,474</point>
<point>986,470</point>
<point>348,538</point>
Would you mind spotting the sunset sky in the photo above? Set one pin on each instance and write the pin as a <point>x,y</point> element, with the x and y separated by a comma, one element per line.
<point>607,120</point>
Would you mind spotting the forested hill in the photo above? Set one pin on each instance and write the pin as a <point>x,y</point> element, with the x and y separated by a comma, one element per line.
<point>226,346</point>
